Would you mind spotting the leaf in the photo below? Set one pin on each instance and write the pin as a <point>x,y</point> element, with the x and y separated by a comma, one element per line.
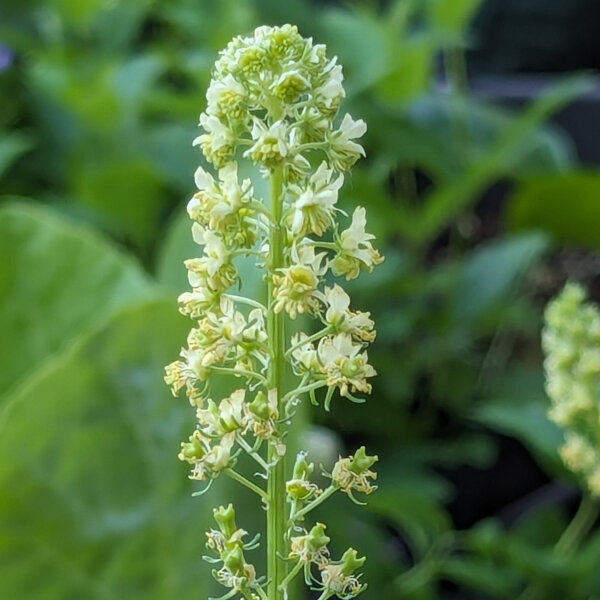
<point>76,13</point>
<point>12,145</point>
<point>566,205</point>
<point>446,203</point>
<point>175,167</point>
<point>117,26</point>
<point>360,41</point>
<point>114,190</point>
<point>423,135</point>
<point>61,280</point>
<point>93,494</point>
<point>410,73</point>
<point>452,16</point>
<point>518,408</point>
<point>134,78</point>
<point>411,499</point>
<point>467,450</point>
<point>176,247</point>
<point>490,273</point>
<point>494,580</point>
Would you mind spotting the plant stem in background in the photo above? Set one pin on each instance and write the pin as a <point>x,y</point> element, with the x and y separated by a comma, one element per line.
<point>569,541</point>
<point>456,75</point>
<point>579,527</point>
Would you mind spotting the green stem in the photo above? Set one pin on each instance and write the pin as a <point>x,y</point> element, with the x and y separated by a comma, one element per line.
<point>572,536</point>
<point>250,594</point>
<point>262,209</point>
<point>251,486</point>
<point>303,511</point>
<point>261,593</point>
<point>456,72</point>
<point>297,568</point>
<point>247,252</point>
<point>326,245</point>
<point>251,452</point>
<point>309,340</point>
<point>429,566</point>
<point>578,528</point>
<point>276,566</point>
<point>248,301</point>
<point>239,373</point>
<point>302,390</point>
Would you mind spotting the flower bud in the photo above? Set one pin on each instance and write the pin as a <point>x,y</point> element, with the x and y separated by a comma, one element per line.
<point>360,462</point>
<point>225,518</point>
<point>260,406</point>
<point>353,472</point>
<point>312,547</point>
<point>300,488</point>
<point>316,538</point>
<point>339,579</point>
<point>350,562</point>
<point>302,469</point>
<point>193,450</point>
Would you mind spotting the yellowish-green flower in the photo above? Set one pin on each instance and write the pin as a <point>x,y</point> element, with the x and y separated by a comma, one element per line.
<point>571,342</point>
<point>339,578</point>
<point>355,251</point>
<point>354,472</point>
<point>273,102</point>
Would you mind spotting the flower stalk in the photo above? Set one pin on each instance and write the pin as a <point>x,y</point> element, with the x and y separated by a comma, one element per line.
<point>273,101</point>
<point>276,331</point>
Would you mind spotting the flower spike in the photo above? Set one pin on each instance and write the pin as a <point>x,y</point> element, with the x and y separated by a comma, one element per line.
<point>273,102</point>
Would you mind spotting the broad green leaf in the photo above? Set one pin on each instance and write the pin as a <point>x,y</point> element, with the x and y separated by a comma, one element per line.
<point>361,42</point>
<point>493,580</point>
<point>452,16</point>
<point>58,280</point>
<point>410,72</point>
<point>85,92</point>
<point>211,25</point>
<point>446,203</point>
<point>586,561</point>
<point>425,135</point>
<point>554,574</point>
<point>525,552</point>
<point>176,246</point>
<point>565,205</point>
<point>93,495</point>
<point>491,272</point>
<point>410,496</point>
<point>114,191</point>
<point>378,51</point>
<point>134,79</point>
<point>118,25</point>
<point>177,168</point>
<point>517,407</point>
<point>12,145</point>
<point>76,13</point>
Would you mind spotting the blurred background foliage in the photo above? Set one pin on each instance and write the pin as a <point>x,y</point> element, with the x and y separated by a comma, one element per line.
<point>482,212</point>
